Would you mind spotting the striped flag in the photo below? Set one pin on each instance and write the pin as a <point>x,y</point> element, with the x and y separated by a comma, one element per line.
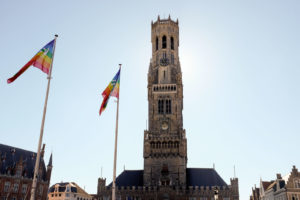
<point>41,60</point>
<point>111,90</point>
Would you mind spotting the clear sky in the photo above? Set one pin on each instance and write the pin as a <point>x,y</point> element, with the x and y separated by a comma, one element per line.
<point>241,67</point>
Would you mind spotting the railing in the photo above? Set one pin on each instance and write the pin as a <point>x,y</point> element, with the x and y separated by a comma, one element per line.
<point>164,88</point>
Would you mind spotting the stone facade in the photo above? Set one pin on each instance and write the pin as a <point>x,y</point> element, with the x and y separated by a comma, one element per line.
<point>282,188</point>
<point>165,174</point>
<point>16,173</point>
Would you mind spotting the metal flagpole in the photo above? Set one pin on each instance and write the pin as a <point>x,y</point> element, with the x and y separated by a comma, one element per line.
<point>37,162</point>
<point>115,153</point>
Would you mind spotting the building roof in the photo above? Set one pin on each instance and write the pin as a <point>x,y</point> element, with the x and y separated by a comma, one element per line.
<point>73,187</point>
<point>203,177</point>
<point>195,177</point>
<point>266,184</point>
<point>11,156</point>
<point>129,178</point>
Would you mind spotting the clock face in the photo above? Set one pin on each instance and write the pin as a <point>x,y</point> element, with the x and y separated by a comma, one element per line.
<point>164,126</point>
<point>164,61</point>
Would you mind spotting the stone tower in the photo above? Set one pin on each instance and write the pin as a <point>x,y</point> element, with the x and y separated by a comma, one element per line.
<point>165,146</point>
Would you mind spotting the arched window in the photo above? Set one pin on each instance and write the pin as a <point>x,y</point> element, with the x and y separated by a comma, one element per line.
<point>172,43</point>
<point>156,43</point>
<point>168,107</point>
<point>160,106</point>
<point>164,42</point>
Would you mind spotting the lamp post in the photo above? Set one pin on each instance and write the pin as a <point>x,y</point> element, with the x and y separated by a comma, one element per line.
<point>216,193</point>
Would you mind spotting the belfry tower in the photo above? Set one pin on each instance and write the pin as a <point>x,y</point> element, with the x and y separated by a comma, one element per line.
<point>165,146</point>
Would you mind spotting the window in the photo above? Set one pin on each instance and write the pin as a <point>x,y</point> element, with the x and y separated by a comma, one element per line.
<point>156,44</point>
<point>172,58</point>
<point>297,183</point>
<point>168,106</point>
<point>40,190</point>
<point>164,42</point>
<point>203,198</point>
<point>294,197</point>
<point>164,74</point>
<point>6,186</point>
<point>18,173</point>
<point>160,106</point>
<point>172,43</point>
<point>16,187</point>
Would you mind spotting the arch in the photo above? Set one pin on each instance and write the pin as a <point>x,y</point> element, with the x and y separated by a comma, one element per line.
<point>164,42</point>
<point>158,145</point>
<point>164,145</point>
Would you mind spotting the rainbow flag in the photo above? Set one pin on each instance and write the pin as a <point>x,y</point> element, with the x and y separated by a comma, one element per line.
<point>111,90</point>
<point>41,60</point>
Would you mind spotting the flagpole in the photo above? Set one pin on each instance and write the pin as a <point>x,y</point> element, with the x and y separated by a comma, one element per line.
<point>37,161</point>
<point>115,152</point>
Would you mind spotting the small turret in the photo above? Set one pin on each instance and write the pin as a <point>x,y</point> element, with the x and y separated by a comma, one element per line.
<point>49,168</point>
<point>101,185</point>
<point>235,187</point>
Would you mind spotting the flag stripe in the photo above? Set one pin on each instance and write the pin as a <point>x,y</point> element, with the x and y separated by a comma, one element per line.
<point>41,60</point>
<point>111,90</point>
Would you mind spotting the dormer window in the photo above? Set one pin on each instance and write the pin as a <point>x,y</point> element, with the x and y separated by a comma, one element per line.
<point>164,42</point>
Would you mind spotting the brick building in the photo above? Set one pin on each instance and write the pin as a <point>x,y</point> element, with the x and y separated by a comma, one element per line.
<point>16,174</point>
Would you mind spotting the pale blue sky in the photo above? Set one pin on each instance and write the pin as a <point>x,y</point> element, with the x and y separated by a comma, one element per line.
<point>241,67</point>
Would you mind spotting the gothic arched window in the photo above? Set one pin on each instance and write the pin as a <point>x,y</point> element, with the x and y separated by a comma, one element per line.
<point>164,42</point>
<point>160,106</point>
<point>156,43</point>
<point>172,43</point>
<point>168,107</point>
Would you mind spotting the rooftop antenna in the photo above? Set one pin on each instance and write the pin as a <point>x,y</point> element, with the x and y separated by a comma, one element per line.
<point>214,165</point>
<point>234,171</point>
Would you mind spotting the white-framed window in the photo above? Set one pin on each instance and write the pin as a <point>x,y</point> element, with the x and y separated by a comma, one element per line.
<point>16,187</point>
<point>24,188</point>
<point>6,186</point>
<point>297,183</point>
<point>18,173</point>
